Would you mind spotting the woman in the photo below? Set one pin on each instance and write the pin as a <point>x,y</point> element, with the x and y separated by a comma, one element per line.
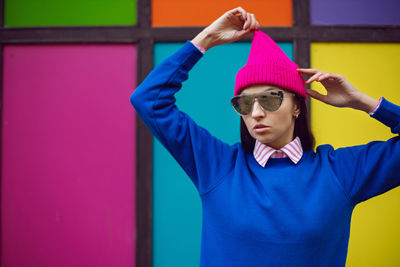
<point>271,200</point>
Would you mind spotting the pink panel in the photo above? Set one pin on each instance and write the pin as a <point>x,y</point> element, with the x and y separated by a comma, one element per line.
<point>68,171</point>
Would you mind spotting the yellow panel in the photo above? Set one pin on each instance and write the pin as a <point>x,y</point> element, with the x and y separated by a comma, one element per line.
<point>372,69</point>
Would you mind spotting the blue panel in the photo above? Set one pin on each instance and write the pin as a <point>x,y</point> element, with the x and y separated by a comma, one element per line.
<point>206,98</point>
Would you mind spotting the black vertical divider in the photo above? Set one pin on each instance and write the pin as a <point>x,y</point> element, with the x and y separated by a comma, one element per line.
<point>301,44</point>
<point>144,148</point>
<point>144,172</point>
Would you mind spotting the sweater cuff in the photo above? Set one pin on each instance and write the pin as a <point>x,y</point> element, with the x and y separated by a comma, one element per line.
<point>202,49</point>
<point>187,56</point>
<point>389,114</point>
<point>371,112</point>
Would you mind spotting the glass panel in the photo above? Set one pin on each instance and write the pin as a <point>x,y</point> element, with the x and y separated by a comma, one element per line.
<point>355,12</point>
<point>195,13</point>
<point>372,69</point>
<point>176,203</point>
<point>68,140</point>
<point>69,13</point>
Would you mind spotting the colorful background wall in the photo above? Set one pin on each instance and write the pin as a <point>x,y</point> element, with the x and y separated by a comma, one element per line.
<point>83,182</point>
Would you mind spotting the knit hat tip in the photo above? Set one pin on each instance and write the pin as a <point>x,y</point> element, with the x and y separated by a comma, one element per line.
<point>268,64</point>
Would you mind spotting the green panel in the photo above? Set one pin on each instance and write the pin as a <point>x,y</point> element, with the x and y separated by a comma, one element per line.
<point>22,13</point>
<point>205,97</point>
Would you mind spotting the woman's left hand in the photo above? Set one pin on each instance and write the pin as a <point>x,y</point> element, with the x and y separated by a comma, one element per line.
<point>340,92</point>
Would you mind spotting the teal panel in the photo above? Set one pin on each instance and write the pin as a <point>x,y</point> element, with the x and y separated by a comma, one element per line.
<point>205,96</point>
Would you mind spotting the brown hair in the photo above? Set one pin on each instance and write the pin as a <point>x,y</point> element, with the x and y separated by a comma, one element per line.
<point>302,129</point>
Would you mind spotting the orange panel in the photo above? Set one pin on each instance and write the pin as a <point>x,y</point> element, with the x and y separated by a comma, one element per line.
<point>203,13</point>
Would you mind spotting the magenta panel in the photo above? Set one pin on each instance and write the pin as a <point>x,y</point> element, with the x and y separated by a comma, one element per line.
<point>68,174</point>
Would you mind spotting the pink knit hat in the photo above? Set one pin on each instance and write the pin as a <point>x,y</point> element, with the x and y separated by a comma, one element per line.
<point>268,64</point>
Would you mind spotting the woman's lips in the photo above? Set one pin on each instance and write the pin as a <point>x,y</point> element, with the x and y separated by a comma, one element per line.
<point>261,128</point>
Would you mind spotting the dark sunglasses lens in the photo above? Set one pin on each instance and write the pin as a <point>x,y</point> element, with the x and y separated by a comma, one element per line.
<point>270,101</point>
<point>242,104</point>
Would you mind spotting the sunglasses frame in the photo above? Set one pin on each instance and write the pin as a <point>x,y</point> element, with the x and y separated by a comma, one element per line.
<point>284,94</point>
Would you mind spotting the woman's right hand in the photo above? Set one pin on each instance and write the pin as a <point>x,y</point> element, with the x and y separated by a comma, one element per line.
<point>230,27</point>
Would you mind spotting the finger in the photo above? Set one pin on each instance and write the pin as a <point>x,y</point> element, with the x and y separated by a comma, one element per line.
<point>327,76</point>
<point>253,22</point>
<point>308,71</point>
<point>331,76</point>
<point>316,95</point>
<point>314,78</point>
<point>237,12</point>
<point>256,24</point>
<point>249,17</point>
<point>242,12</point>
<point>240,17</point>
<point>247,23</point>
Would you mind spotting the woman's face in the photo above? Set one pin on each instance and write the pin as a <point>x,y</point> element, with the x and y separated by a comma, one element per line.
<point>274,129</point>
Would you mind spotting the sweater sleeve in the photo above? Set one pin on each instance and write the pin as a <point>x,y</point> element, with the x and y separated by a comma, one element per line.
<point>204,158</point>
<point>372,169</point>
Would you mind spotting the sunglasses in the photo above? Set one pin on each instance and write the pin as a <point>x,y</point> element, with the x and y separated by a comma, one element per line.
<point>269,100</point>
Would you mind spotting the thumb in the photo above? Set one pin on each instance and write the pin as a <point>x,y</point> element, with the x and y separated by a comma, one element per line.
<point>316,95</point>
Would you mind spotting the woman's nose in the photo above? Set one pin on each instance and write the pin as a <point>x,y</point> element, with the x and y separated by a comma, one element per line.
<point>257,111</point>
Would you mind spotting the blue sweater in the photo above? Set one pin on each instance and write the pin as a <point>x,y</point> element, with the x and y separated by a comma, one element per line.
<point>280,215</point>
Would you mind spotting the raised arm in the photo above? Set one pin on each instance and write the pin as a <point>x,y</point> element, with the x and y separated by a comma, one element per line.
<point>366,170</point>
<point>199,153</point>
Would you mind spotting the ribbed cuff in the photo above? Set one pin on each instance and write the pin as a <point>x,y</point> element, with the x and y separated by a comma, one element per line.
<point>372,111</point>
<point>201,49</point>
<point>388,113</point>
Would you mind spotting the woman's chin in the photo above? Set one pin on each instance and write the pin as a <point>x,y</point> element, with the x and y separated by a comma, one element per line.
<point>263,139</point>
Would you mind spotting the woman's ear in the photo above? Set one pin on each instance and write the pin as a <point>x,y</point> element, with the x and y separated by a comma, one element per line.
<point>296,108</point>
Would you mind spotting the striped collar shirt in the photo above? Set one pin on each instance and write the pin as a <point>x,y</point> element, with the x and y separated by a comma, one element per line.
<point>293,150</point>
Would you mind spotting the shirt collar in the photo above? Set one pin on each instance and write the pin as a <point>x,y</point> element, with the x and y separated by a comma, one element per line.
<point>263,152</point>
